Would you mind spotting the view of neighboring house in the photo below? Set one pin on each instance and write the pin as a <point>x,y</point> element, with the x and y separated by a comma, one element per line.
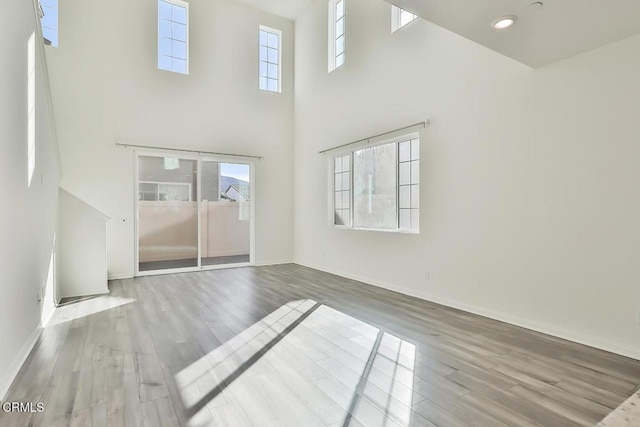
<point>238,192</point>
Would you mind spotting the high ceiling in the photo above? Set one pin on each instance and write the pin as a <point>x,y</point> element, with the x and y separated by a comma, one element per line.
<point>559,29</point>
<point>290,9</point>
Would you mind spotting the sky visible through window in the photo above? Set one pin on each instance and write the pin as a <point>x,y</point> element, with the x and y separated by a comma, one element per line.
<point>50,21</point>
<point>269,60</point>
<point>406,17</point>
<point>235,170</point>
<point>172,37</point>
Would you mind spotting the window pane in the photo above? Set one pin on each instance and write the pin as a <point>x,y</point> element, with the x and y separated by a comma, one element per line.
<point>405,173</point>
<point>339,9</point>
<point>406,17</point>
<point>415,149</point>
<point>264,83</point>
<point>346,180</point>
<point>179,14</point>
<point>339,60</point>
<point>346,202</point>
<point>337,164</point>
<point>179,49</point>
<point>180,65</point>
<point>272,71</point>
<point>345,162</point>
<point>415,196</point>
<point>405,218</point>
<point>179,31</point>
<point>405,151</point>
<point>340,27</point>
<point>415,172</point>
<point>374,196</point>
<point>272,40</point>
<point>339,45</point>
<point>404,197</point>
<point>164,62</point>
<point>50,18</point>
<point>272,85</point>
<point>51,35</point>
<point>342,217</point>
<point>164,46</point>
<point>272,56</point>
<point>338,182</point>
<point>263,69</point>
<point>338,200</point>
<point>263,53</point>
<point>263,38</point>
<point>164,10</point>
<point>164,28</point>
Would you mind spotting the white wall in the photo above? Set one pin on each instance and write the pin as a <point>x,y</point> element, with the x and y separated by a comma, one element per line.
<point>28,213</point>
<point>587,188</point>
<point>529,199</point>
<point>82,248</point>
<point>107,86</point>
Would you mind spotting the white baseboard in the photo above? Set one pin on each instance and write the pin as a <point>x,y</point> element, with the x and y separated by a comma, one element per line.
<point>120,276</point>
<point>266,263</point>
<point>21,357</point>
<point>545,328</point>
<point>80,295</point>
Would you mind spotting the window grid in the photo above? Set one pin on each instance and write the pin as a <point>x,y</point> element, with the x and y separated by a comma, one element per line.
<point>409,185</point>
<point>269,47</point>
<point>49,21</point>
<point>173,47</point>
<point>339,34</point>
<point>342,190</point>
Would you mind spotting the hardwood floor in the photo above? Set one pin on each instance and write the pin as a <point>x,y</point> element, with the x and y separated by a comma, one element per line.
<point>287,345</point>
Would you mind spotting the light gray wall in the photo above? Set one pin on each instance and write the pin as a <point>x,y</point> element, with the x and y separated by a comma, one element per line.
<point>106,86</point>
<point>28,213</point>
<point>529,179</point>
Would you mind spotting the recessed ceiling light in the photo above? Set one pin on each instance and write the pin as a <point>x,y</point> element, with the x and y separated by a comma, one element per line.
<point>504,22</point>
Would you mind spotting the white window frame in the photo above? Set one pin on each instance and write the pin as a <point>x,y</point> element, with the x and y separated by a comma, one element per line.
<point>279,34</point>
<point>185,5</point>
<point>333,39</point>
<point>415,136</point>
<point>396,18</point>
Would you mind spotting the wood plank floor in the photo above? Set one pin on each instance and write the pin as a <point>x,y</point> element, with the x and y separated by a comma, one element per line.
<point>291,346</point>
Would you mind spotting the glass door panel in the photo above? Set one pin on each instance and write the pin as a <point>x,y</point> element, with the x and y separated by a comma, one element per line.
<point>167,213</point>
<point>225,213</point>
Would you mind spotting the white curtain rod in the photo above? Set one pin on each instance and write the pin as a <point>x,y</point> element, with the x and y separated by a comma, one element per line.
<point>126,145</point>
<point>423,123</point>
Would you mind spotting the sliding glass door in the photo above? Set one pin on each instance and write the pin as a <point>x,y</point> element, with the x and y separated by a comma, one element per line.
<point>193,213</point>
<point>225,213</point>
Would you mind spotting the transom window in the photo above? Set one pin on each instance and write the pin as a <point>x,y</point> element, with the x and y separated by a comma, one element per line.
<point>49,20</point>
<point>337,34</point>
<point>378,188</point>
<point>270,47</point>
<point>173,36</point>
<point>400,18</point>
